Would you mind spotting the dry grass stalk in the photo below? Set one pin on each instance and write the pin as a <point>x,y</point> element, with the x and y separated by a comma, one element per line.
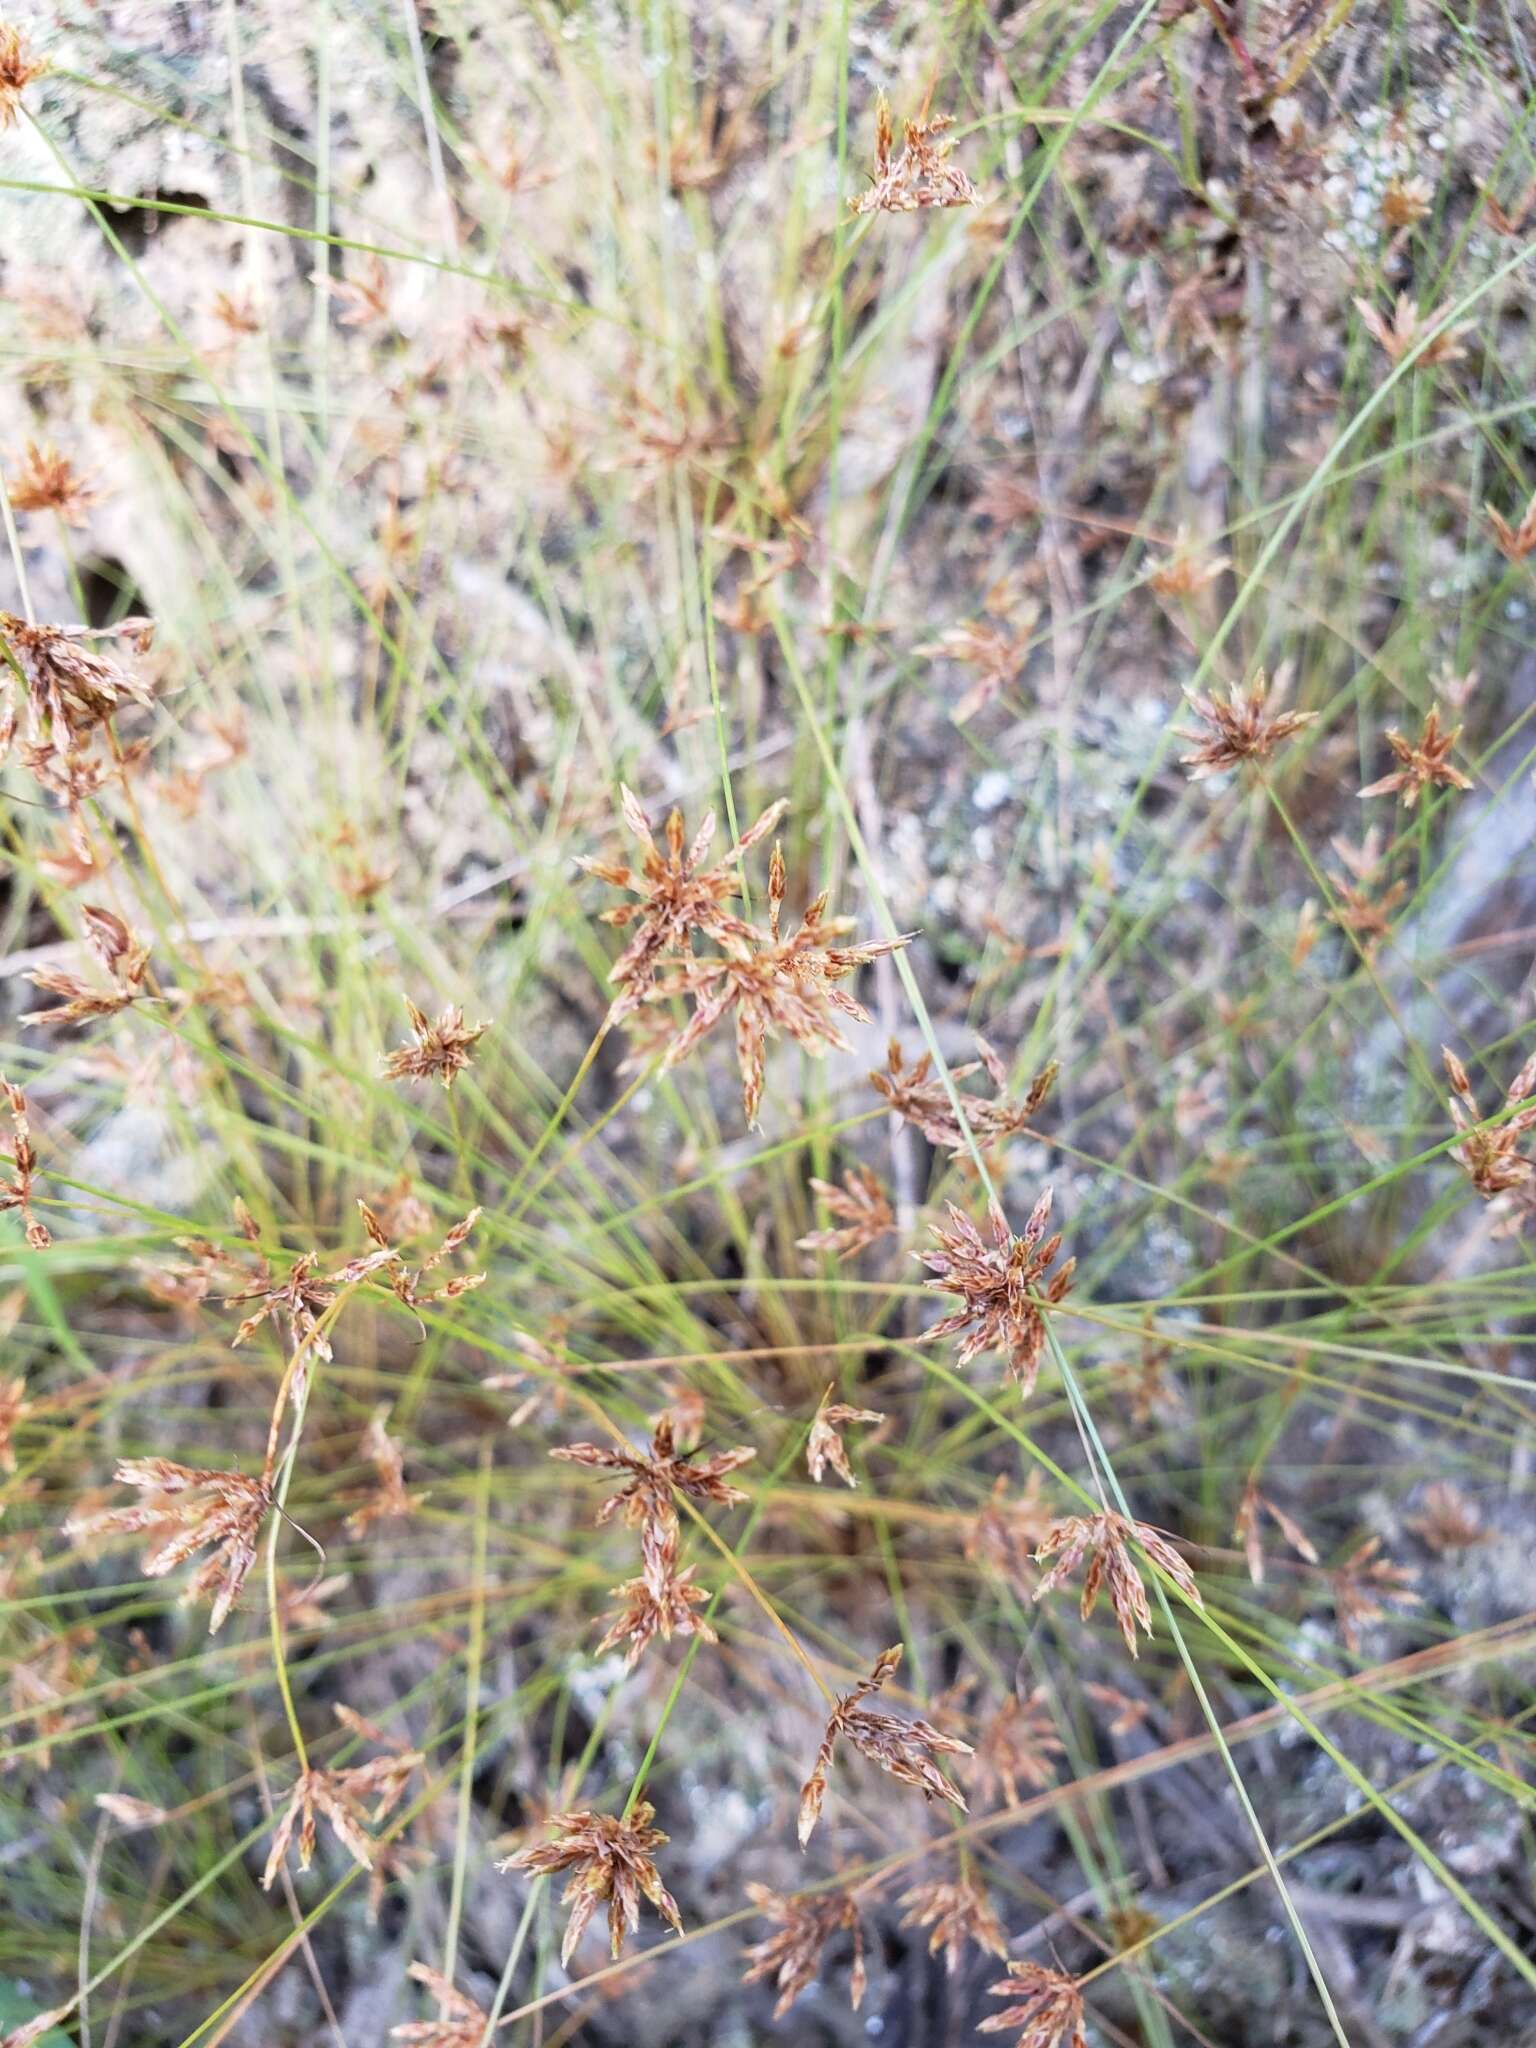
<point>460,2023</point>
<point>438,1051</point>
<point>1245,726</point>
<point>1018,1746</point>
<point>221,1512</point>
<point>865,1210</point>
<point>824,1446</point>
<point>1363,1584</point>
<point>1425,762</point>
<point>677,894</point>
<point>791,1955</point>
<point>609,1859</point>
<point>1516,542</point>
<point>1492,1159</point>
<point>49,482</point>
<point>1105,1540</point>
<point>1049,2012</point>
<point>16,1193</point>
<point>903,1749</point>
<point>1246,1530</point>
<point>18,68</point>
<point>72,693</point>
<point>1002,1286</point>
<point>1407,327</point>
<point>390,1501</point>
<point>957,1911</point>
<point>129,1812</point>
<point>921,175</point>
<point>774,985</point>
<point>915,1095</point>
<point>121,952</point>
<point>339,1797</point>
<point>33,2030</point>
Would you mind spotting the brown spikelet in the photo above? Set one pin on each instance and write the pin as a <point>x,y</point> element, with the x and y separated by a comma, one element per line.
<point>1105,1540</point>
<point>1018,1746</point>
<point>677,895</point>
<point>437,1051</point>
<point>1515,542</point>
<point>460,2023</point>
<point>1244,726</point>
<point>1049,2012</point>
<point>1492,1159</point>
<point>1447,1520</point>
<point>72,692</point>
<point>1402,334</point>
<point>339,1797</point>
<point>824,1446</point>
<point>647,1500</point>
<point>863,1207</point>
<point>903,1749</point>
<point>221,1512</point>
<point>1246,1530</point>
<point>956,1911</point>
<point>791,1955</point>
<point>660,1602</point>
<point>920,174</point>
<point>773,986</point>
<point>48,482</point>
<point>1002,1286</point>
<point>609,1859</point>
<point>121,952</point>
<point>16,1192</point>
<point>18,68</point>
<point>1425,762</point>
<point>389,1501</point>
<point>1363,1584</point>
<point>916,1095</point>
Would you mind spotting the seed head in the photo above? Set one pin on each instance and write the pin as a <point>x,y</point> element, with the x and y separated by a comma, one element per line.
<point>1002,1286</point>
<point>1407,327</point>
<point>1492,1159</point>
<point>1105,1540</point>
<point>339,1797</point>
<point>49,482</point>
<point>72,692</point>
<point>921,175</point>
<point>824,1446</point>
<point>1425,762</point>
<point>608,1860</point>
<point>1049,2012</point>
<point>1244,727</point>
<point>791,1955</point>
<point>221,1512</point>
<point>16,1193</point>
<point>1363,1584</point>
<point>864,1209</point>
<point>460,2023</point>
<point>18,68</point>
<point>903,1749</point>
<point>437,1052</point>
<point>1018,1746</point>
<point>957,1911</point>
<point>1514,541</point>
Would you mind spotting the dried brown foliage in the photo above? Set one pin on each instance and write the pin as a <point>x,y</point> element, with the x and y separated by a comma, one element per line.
<point>903,1749</point>
<point>16,1192</point>
<point>1363,1584</point>
<point>915,1095</point>
<point>864,1208</point>
<point>920,174</point>
<point>72,693</point>
<point>460,2023</point>
<point>121,952</point>
<point>609,1859</point>
<point>1105,1540</point>
<point>1407,328</point>
<point>791,1955</point>
<point>956,1911</point>
<point>1425,762</point>
<point>1492,1159</point>
<point>438,1051</point>
<point>18,68</point>
<point>1247,1531</point>
<point>193,1509</point>
<point>677,896</point>
<point>1245,726</point>
<point>1002,1286</point>
<point>1049,2012</point>
<point>824,1446</point>
<point>774,986</point>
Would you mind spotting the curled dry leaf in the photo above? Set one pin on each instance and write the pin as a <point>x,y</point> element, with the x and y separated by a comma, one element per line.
<point>609,1859</point>
<point>904,1749</point>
